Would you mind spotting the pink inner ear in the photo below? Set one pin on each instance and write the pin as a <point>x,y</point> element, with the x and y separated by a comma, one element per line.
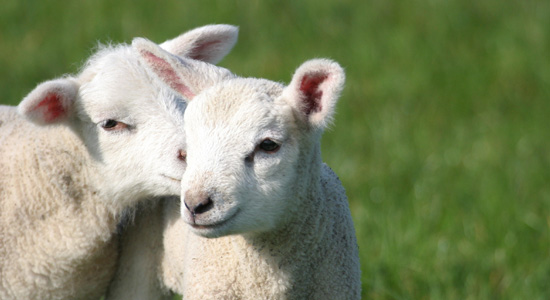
<point>52,107</point>
<point>199,52</point>
<point>311,92</point>
<point>165,71</point>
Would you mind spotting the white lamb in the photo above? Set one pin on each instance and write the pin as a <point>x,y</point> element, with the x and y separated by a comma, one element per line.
<point>261,216</point>
<point>97,143</point>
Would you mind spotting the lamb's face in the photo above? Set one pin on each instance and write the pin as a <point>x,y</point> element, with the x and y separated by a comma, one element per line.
<point>132,128</point>
<point>242,152</point>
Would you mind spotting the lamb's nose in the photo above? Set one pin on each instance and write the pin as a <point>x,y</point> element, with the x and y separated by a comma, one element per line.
<point>198,204</point>
<point>182,155</point>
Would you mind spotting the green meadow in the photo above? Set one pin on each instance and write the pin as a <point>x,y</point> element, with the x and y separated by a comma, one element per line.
<point>442,134</point>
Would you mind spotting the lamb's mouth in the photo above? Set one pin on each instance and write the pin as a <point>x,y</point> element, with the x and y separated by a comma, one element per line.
<point>171,178</point>
<point>214,225</point>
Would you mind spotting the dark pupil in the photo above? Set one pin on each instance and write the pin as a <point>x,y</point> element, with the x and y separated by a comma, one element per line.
<point>110,124</point>
<point>268,145</point>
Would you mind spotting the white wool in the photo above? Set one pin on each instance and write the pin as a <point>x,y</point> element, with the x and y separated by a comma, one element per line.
<point>257,220</point>
<point>76,153</point>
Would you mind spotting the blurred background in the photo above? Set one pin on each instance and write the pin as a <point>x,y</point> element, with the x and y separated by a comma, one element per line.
<point>441,136</point>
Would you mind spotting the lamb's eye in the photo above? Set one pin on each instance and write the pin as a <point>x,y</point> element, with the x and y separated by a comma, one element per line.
<point>110,125</point>
<point>269,146</point>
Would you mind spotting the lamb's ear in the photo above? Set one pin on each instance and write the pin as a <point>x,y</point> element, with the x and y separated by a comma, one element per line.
<point>314,91</point>
<point>50,102</point>
<point>169,68</point>
<point>208,43</point>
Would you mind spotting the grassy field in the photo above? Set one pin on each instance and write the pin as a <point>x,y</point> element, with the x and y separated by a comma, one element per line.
<point>442,135</point>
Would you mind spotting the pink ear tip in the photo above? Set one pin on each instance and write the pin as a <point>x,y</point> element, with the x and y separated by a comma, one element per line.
<point>51,107</point>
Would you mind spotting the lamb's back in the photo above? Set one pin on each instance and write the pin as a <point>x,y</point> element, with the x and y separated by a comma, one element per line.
<point>44,199</point>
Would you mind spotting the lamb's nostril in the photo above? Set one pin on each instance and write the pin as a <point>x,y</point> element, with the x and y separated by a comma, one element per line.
<point>186,206</point>
<point>182,155</point>
<point>203,206</point>
<point>200,207</point>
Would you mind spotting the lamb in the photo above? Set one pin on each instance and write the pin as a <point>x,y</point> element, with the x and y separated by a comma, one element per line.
<point>261,216</point>
<point>80,150</point>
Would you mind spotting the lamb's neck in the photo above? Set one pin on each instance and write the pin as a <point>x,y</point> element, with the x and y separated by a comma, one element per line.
<point>302,232</point>
<point>299,233</point>
<point>306,182</point>
<point>292,254</point>
<point>306,205</point>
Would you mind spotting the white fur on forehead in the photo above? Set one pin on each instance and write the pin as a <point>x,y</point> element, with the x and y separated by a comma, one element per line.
<point>118,70</point>
<point>235,98</point>
<point>94,64</point>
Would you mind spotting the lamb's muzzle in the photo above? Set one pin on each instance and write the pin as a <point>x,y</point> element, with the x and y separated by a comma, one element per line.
<point>197,203</point>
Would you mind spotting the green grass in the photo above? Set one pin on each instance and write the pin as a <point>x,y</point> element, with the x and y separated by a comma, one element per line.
<point>441,139</point>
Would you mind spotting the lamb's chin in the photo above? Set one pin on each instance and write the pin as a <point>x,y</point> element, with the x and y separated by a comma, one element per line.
<point>211,231</point>
<point>216,229</point>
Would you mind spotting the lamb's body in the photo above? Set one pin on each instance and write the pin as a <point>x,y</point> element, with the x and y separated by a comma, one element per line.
<point>98,143</point>
<point>60,248</point>
<point>262,216</point>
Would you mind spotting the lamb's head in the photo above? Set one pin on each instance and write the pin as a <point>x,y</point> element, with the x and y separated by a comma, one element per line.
<point>130,122</point>
<point>251,147</point>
